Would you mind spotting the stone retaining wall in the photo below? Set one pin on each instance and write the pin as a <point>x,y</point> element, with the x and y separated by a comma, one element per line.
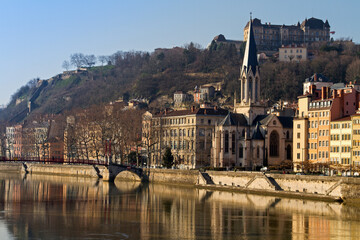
<point>172,176</point>
<point>66,170</point>
<point>322,187</point>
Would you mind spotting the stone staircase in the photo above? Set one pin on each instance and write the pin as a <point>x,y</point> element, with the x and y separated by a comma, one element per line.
<point>207,178</point>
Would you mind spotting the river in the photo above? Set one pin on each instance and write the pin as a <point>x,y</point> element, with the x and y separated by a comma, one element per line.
<point>51,207</point>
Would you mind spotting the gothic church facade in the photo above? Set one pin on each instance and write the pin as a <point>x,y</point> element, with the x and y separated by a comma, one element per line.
<point>248,137</point>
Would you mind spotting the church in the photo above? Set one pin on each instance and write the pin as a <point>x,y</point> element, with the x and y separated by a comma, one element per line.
<point>248,137</point>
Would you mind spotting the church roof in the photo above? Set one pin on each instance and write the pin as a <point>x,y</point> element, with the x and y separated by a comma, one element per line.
<point>250,55</point>
<point>286,122</point>
<point>234,119</point>
<point>262,119</point>
<point>257,133</point>
<point>314,23</point>
<point>317,77</point>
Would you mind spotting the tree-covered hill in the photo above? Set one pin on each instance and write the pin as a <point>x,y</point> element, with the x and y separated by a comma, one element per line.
<point>164,71</point>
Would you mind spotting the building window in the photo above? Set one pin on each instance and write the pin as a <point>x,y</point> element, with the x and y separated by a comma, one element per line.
<point>241,151</point>
<point>288,152</point>
<point>226,142</point>
<point>233,143</point>
<point>201,132</point>
<point>274,144</point>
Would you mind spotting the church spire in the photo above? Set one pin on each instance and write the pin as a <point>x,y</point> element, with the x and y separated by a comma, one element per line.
<point>250,56</point>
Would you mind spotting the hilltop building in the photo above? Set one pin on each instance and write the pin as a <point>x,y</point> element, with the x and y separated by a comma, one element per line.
<point>272,37</point>
<point>220,39</point>
<point>292,53</point>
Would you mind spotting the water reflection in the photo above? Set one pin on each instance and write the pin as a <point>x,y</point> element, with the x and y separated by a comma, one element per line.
<point>44,207</point>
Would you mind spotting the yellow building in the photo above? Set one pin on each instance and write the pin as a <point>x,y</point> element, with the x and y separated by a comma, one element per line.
<point>312,127</point>
<point>300,134</point>
<point>340,143</point>
<point>355,161</point>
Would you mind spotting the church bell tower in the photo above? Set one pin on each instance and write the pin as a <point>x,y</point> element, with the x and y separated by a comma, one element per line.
<point>249,104</point>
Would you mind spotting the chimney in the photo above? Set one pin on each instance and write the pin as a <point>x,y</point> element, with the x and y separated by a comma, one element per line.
<point>215,108</point>
<point>192,108</point>
<point>312,89</point>
<point>323,93</point>
<point>341,93</point>
<point>327,92</point>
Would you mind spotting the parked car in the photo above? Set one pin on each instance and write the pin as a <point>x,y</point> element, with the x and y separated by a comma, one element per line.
<point>263,169</point>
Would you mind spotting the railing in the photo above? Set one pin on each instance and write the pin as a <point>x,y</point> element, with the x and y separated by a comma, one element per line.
<point>55,160</point>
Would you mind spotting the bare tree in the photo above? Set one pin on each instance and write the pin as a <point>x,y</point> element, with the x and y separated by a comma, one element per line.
<point>103,59</point>
<point>90,60</point>
<point>353,71</point>
<point>77,59</point>
<point>66,65</point>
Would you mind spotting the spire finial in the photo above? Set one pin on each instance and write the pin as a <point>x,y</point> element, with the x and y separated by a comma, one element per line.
<point>250,16</point>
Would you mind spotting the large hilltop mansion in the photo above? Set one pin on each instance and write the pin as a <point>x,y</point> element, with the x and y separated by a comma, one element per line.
<point>269,36</point>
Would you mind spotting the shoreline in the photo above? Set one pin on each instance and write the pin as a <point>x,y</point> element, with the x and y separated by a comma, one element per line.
<point>329,189</point>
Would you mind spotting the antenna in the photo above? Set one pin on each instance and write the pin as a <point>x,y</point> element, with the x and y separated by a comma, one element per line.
<point>250,16</point>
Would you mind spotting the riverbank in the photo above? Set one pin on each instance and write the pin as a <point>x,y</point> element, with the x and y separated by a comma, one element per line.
<point>323,188</point>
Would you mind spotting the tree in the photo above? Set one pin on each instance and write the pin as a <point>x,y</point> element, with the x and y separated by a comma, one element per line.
<point>90,60</point>
<point>66,65</point>
<point>353,71</point>
<point>168,158</point>
<point>77,59</point>
<point>103,59</point>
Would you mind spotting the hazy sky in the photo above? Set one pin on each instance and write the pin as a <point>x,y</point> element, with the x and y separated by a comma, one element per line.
<point>38,35</point>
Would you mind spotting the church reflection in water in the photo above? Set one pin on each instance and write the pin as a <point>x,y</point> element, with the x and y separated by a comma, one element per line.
<point>62,207</point>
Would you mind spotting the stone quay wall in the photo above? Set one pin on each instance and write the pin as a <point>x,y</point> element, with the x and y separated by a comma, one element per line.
<point>56,169</point>
<point>170,176</point>
<point>297,186</point>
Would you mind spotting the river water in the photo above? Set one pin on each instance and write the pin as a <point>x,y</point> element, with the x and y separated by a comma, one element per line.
<point>50,207</point>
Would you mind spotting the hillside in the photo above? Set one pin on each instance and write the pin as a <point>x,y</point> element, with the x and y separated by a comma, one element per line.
<point>164,71</point>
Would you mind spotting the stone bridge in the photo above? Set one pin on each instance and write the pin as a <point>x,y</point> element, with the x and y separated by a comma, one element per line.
<point>120,172</point>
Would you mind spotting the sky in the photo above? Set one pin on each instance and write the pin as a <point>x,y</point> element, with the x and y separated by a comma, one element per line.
<point>37,36</point>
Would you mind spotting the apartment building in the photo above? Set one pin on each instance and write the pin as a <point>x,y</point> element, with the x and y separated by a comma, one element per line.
<point>340,142</point>
<point>187,132</point>
<point>355,158</point>
<point>317,109</point>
